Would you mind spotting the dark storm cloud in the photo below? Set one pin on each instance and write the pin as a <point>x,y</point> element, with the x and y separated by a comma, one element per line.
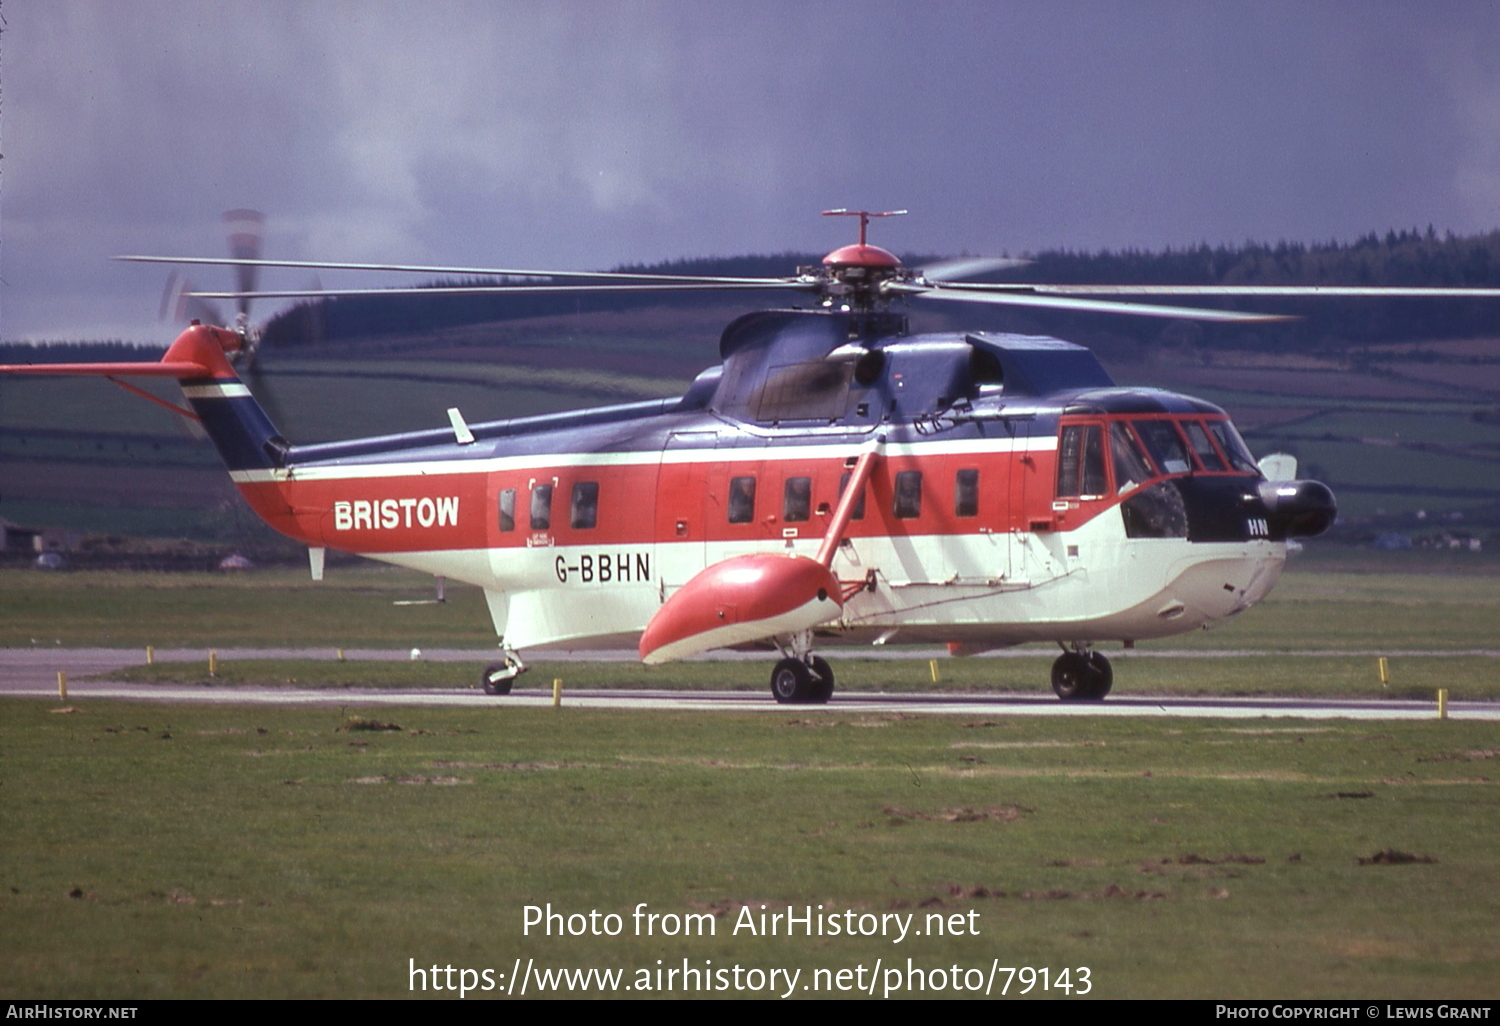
<point>587,134</point>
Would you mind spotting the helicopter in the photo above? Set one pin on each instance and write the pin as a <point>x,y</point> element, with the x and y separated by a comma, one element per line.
<point>834,480</point>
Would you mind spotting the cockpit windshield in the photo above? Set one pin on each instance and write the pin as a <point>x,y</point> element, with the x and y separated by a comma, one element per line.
<point>1233,446</point>
<point>1142,449</point>
<point>1165,445</point>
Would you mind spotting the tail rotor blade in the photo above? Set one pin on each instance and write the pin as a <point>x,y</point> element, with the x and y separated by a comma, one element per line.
<point>246,238</point>
<point>179,305</point>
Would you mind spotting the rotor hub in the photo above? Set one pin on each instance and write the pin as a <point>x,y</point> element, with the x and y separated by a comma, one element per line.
<point>861,255</point>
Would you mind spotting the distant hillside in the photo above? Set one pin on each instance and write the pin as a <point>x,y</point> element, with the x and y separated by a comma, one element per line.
<point>1407,257</point>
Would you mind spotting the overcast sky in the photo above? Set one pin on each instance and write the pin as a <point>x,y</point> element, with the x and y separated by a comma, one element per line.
<point>586,134</point>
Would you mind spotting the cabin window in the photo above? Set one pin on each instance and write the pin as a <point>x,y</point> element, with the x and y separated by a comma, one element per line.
<point>508,510</point>
<point>584,513</point>
<point>741,500</point>
<point>1165,446</point>
<point>1080,461</point>
<point>796,499</point>
<point>541,507</point>
<point>859,503</point>
<point>1131,466</point>
<point>1207,454</point>
<point>908,504</point>
<point>966,493</point>
<point>1233,446</point>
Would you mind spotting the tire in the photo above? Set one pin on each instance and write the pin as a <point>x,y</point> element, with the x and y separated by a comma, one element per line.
<point>1104,677</point>
<point>822,688</point>
<point>791,683</point>
<point>497,679</point>
<point>1078,678</point>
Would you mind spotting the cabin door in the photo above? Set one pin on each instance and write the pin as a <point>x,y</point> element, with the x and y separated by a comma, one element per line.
<point>681,532</point>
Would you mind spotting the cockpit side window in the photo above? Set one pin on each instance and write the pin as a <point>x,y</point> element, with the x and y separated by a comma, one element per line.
<point>1234,447</point>
<point>1165,445</point>
<point>1131,466</point>
<point>1080,461</point>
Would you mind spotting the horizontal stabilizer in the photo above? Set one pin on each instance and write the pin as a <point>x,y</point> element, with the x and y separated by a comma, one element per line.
<point>157,369</point>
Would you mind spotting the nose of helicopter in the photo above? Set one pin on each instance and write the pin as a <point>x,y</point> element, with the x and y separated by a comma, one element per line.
<point>1299,509</point>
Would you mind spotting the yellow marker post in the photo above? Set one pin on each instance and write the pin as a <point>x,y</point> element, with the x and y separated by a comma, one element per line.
<point>1442,703</point>
<point>1385,672</point>
<point>932,665</point>
<point>556,692</point>
<point>213,663</point>
<point>341,655</point>
<point>150,655</point>
<point>62,685</point>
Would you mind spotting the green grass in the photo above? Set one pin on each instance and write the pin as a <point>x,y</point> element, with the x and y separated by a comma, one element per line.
<point>1321,603</point>
<point>351,608</point>
<point>158,851</point>
<point>1410,677</point>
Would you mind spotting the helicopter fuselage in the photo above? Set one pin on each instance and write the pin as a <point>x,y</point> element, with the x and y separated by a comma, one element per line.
<point>1019,495</point>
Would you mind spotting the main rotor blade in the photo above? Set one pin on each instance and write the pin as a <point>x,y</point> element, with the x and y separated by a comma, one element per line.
<point>1095,306</point>
<point>500,290</point>
<point>1229,291</point>
<point>945,271</point>
<point>482,272</point>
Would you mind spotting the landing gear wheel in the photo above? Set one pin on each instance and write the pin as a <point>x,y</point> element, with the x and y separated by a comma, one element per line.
<point>822,688</point>
<point>1082,678</point>
<point>792,683</point>
<point>497,678</point>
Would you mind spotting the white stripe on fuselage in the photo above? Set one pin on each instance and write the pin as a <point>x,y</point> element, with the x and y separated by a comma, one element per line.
<point>648,457</point>
<point>232,390</point>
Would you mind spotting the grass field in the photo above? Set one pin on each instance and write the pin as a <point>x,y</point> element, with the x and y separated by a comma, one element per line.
<point>1410,676</point>
<point>218,851</point>
<point>222,852</point>
<point>1335,599</point>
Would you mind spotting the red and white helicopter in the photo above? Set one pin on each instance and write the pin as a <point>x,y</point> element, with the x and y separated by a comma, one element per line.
<point>835,479</point>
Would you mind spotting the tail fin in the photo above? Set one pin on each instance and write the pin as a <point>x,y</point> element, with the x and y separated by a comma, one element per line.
<point>240,430</point>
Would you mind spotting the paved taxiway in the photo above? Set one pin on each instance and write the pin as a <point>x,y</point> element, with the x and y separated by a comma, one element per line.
<point>33,673</point>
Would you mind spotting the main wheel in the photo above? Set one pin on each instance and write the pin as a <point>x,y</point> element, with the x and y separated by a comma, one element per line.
<point>822,688</point>
<point>1079,678</point>
<point>497,678</point>
<point>792,683</point>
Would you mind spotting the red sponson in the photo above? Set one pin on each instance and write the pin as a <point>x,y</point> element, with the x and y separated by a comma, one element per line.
<point>742,599</point>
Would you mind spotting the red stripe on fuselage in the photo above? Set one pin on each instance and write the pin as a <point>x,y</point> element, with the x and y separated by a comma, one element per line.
<point>647,503</point>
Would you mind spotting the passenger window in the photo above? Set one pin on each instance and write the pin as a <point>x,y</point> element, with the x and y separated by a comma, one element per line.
<point>966,494</point>
<point>908,504</point>
<point>1080,461</point>
<point>1165,445</point>
<point>541,507</point>
<point>585,509</point>
<point>1202,446</point>
<point>796,499</point>
<point>1131,466</point>
<point>859,503</point>
<point>508,510</point>
<point>741,500</point>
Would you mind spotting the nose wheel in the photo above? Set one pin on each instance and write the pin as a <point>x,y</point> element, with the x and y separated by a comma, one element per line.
<point>798,682</point>
<point>1082,676</point>
<point>498,677</point>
